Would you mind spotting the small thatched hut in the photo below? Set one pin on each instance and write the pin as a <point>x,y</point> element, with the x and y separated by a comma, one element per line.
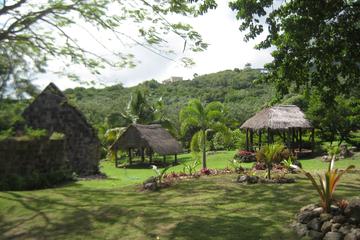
<point>286,120</point>
<point>50,110</point>
<point>152,138</point>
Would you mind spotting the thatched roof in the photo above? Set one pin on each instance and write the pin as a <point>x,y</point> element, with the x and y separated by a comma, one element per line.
<point>149,136</point>
<point>278,117</point>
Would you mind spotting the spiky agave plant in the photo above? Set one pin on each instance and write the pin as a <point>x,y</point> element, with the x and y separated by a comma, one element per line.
<point>327,183</point>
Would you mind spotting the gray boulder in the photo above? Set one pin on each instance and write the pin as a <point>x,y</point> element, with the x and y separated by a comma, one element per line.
<point>314,224</point>
<point>326,227</point>
<point>333,236</point>
<point>353,210</point>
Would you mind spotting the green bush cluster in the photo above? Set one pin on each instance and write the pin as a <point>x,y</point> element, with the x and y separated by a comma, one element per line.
<point>34,180</point>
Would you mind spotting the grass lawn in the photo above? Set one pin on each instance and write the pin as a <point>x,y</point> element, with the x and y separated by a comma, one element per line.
<point>206,208</point>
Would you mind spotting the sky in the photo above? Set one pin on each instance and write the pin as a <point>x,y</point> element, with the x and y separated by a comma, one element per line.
<point>219,28</point>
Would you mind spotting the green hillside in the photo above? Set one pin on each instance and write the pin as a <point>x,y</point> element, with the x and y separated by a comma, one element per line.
<point>235,88</point>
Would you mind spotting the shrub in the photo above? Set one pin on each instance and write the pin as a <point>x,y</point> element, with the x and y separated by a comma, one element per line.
<point>236,165</point>
<point>245,156</point>
<point>205,171</point>
<point>190,168</point>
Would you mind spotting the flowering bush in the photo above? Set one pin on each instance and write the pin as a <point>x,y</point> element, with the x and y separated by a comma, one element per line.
<point>205,171</point>
<point>245,156</point>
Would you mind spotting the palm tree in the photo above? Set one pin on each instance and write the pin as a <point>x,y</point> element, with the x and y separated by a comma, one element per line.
<point>138,109</point>
<point>205,118</point>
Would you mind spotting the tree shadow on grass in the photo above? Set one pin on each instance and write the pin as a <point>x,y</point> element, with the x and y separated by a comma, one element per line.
<point>206,208</point>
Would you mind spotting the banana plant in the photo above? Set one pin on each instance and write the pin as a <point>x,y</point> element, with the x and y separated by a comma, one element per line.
<point>327,183</point>
<point>111,136</point>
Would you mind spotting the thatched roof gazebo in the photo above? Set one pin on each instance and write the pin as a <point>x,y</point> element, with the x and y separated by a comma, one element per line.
<point>286,120</point>
<point>152,138</point>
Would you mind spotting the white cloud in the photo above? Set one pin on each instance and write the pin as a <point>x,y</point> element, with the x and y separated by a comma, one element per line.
<point>219,28</point>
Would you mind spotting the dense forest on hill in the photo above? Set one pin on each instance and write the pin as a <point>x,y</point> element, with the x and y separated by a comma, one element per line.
<point>236,88</point>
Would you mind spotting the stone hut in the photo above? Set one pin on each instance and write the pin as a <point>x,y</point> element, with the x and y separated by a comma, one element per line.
<point>51,110</point>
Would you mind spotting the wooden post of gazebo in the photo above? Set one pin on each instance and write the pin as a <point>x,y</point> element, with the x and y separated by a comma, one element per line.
<point>300,139</point>
<point>247,139</point>
<point>268,136</point>
<point>288,139</point>
<point>175,160</point>
<point>312,139</point>
<point>259,138</point>
<point>164,158</point>
<point>251,140</point>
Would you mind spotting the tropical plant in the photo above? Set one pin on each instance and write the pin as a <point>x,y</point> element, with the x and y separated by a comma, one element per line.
<point>327,183</point>
<point>287,163</point>
<point>111,137</point>
<point>204,118</point>
<point>333,151</point>
<point>236,165</point>
<point>160,173</point>
<point>190,168</point>
<point>270,154</point>
<point>138,109</point>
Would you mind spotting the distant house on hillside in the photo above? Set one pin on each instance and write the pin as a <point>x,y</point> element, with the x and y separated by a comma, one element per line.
<point>173,79</point>
<point>51,110</point>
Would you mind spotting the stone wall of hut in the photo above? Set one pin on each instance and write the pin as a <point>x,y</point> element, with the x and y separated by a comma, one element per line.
<point>30,164</point>
<point>51,111</point>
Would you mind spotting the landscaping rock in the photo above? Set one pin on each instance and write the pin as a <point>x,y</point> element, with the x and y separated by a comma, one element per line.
<point>318,210</point>
<point>307,216</point>
<point>352,221</point>
<point>150,186</point>
<point>350,236</point>
<point>314,224</point>
<point>335,210</point>
<point>353,235</point>
<point>253,179</point>
<point>339,219</point>
<point>309,207</point>
<point>335,227</point>
<point>345,229</point>
<point>300,229</point>
<point>325,217</point>
<point>333,236</point>
<point>326,227</point>
<point>353,210</point>
<point>243,178</point>
<point>315,235</point>
<point>339,224</point>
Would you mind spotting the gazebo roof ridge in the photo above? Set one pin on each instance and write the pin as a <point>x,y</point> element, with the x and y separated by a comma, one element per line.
<point>278,117</point>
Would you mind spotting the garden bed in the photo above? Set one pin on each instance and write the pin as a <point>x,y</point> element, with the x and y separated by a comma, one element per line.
<point>246,179</point>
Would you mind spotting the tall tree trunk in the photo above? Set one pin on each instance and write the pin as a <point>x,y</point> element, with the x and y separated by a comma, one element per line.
<point>204,149</point>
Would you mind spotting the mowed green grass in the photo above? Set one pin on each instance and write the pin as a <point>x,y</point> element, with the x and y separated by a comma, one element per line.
<point>214,207</point>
